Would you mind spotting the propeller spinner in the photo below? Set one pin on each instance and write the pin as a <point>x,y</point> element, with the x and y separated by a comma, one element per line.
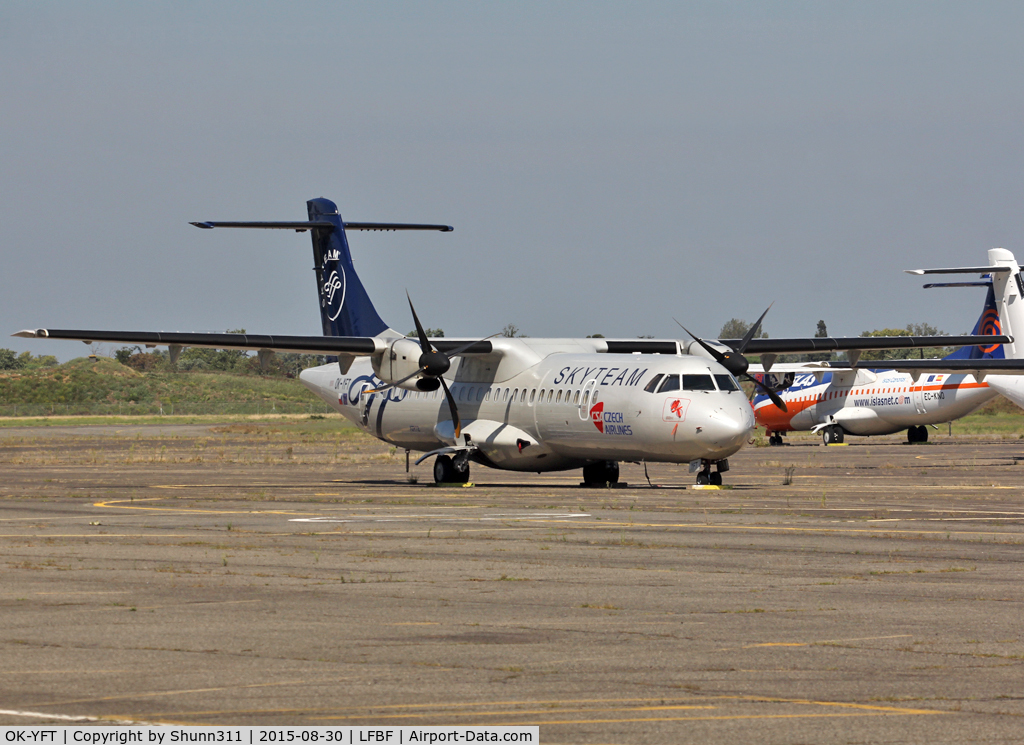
<point>736,363</point>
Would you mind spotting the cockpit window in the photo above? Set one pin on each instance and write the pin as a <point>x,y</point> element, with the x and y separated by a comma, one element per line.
<point>670,383</point>
<point>698,383</point>
<point>653,385</point>
<point>726,383</point>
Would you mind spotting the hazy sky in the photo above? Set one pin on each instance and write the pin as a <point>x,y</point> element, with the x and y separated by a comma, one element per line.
<point>606,166</point>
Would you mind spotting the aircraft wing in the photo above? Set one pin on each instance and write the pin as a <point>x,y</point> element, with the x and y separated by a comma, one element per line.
<point>861,343</point>
<point>355,345</point>
<point>947,367</point>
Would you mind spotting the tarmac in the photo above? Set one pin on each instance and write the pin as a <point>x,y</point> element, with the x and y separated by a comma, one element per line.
<point>243,576</point>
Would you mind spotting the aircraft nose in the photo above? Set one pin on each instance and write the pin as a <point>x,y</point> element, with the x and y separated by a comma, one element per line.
<point>728,428</point>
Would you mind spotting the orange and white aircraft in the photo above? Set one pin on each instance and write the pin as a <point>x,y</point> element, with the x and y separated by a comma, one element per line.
<point>876,398</point>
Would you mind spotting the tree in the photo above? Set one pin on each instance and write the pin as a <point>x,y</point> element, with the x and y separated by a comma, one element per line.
<point>511,330</point>
<point>821,333</point>
<point>595,336</point>
<point>9,360</point>
<point>912,329</point>
<point>735,328</point>
<point>432,333</point>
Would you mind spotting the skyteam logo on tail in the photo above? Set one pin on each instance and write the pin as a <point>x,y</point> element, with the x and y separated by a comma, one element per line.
<point>333,297</point>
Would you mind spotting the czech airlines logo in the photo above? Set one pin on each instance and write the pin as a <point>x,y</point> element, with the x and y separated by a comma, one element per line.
<point>597,416</point>
<point>675,410</point>
<point>990,326</point>
<point>334,286</point>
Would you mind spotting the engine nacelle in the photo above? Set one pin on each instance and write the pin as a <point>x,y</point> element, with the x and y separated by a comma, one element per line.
<point>400,359</point>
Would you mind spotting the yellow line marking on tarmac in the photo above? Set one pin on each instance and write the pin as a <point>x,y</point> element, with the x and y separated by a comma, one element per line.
<point>523,711</point>
<point>785,528</point>
<point>724,717</point>
<point>820,641</point>
<point>119,504</point>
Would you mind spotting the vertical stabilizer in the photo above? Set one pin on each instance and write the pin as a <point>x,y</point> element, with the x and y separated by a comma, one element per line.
<point>1008,288</point>
<point>345,308</point>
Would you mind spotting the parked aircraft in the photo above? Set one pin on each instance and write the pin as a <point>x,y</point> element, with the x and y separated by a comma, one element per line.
<point>875,398</point>
<point>516,404</point>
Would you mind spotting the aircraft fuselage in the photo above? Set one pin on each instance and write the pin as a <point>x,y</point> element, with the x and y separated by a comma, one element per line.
<point>563,412</point>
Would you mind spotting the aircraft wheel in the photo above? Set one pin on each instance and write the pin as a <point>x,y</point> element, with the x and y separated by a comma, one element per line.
<point>840,434</point>
<point>444,470</point>
<point>601,473</point>
<point>775,440</point>
<point>914,434</point>
<point>716,479</point>
<point>922,434</point>
<point>826,436</point>
<point>703,478</point>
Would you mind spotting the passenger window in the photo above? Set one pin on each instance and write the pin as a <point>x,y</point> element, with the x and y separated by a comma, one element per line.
<point>558,398</point>
<point>505,397</point>
<point>698,383</point>
<point>586,397</point>
<point>593,398</point>
<point>576,398</point>
<point>551,395</point>
<point>469,396</point>
<point>541,399</point>
<point>670,383</point>
<point>487,395</point>
<point>653,385</point>
<point>533,394</point>
<point>726,383</point>
<point>480,395</point>
<point>515,393</point>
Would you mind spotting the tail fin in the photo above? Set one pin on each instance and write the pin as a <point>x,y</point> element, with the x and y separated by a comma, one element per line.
<point>345,308</point>
<point>988,324</point>
<point>1004,306</point>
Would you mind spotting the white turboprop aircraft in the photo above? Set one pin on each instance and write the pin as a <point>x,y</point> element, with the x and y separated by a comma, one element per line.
<point>877,398</point>
<point>515,404</point>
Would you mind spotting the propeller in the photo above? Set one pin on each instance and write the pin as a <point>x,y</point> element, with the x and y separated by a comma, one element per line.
<point>433,364</point>
<point>736,363</point>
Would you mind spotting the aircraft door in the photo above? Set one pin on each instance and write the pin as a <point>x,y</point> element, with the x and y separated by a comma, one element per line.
<point>588,393</point>
<point>917,395</point>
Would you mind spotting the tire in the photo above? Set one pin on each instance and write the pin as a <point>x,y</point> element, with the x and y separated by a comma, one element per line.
<point>601,473</point>
<point>922,434</point>
<point>460,477</point>
<point>716,479</point>
<point>826,436</point>
<point>839,434</point>
<point>911,435</point>
<point>444,470</point>
<point>703,478</point>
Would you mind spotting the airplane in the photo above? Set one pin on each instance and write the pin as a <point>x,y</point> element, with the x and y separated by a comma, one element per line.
<point>518,404</point>
<point>877,398</point>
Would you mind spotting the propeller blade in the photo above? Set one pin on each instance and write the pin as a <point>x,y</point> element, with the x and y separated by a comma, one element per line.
<point>424,342</point>
<point>451,405</point>
<point>775,397</point>
<point>734,362</point>
<point>753,330</point>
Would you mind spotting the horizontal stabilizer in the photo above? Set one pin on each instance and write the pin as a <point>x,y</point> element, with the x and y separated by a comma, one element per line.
<point>958,285</point>
<point>303,226</point>
<point>961,270</point>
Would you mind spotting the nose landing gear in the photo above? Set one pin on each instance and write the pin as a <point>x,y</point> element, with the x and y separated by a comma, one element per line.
<point>705,477</point>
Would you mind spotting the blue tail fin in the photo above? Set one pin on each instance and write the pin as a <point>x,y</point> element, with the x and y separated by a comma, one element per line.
<point>345,308</point>
<point>990,324</point>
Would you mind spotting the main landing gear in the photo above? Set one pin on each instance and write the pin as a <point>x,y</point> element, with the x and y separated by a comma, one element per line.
<point>917,434</point>
<point>775,440</point>
<point>832,435</point>
<point>452,470</point>
<point>706,478</point>
<point>601,473</point>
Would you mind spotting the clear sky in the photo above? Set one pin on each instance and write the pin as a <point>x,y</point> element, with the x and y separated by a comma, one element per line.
<point>606,166</point>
